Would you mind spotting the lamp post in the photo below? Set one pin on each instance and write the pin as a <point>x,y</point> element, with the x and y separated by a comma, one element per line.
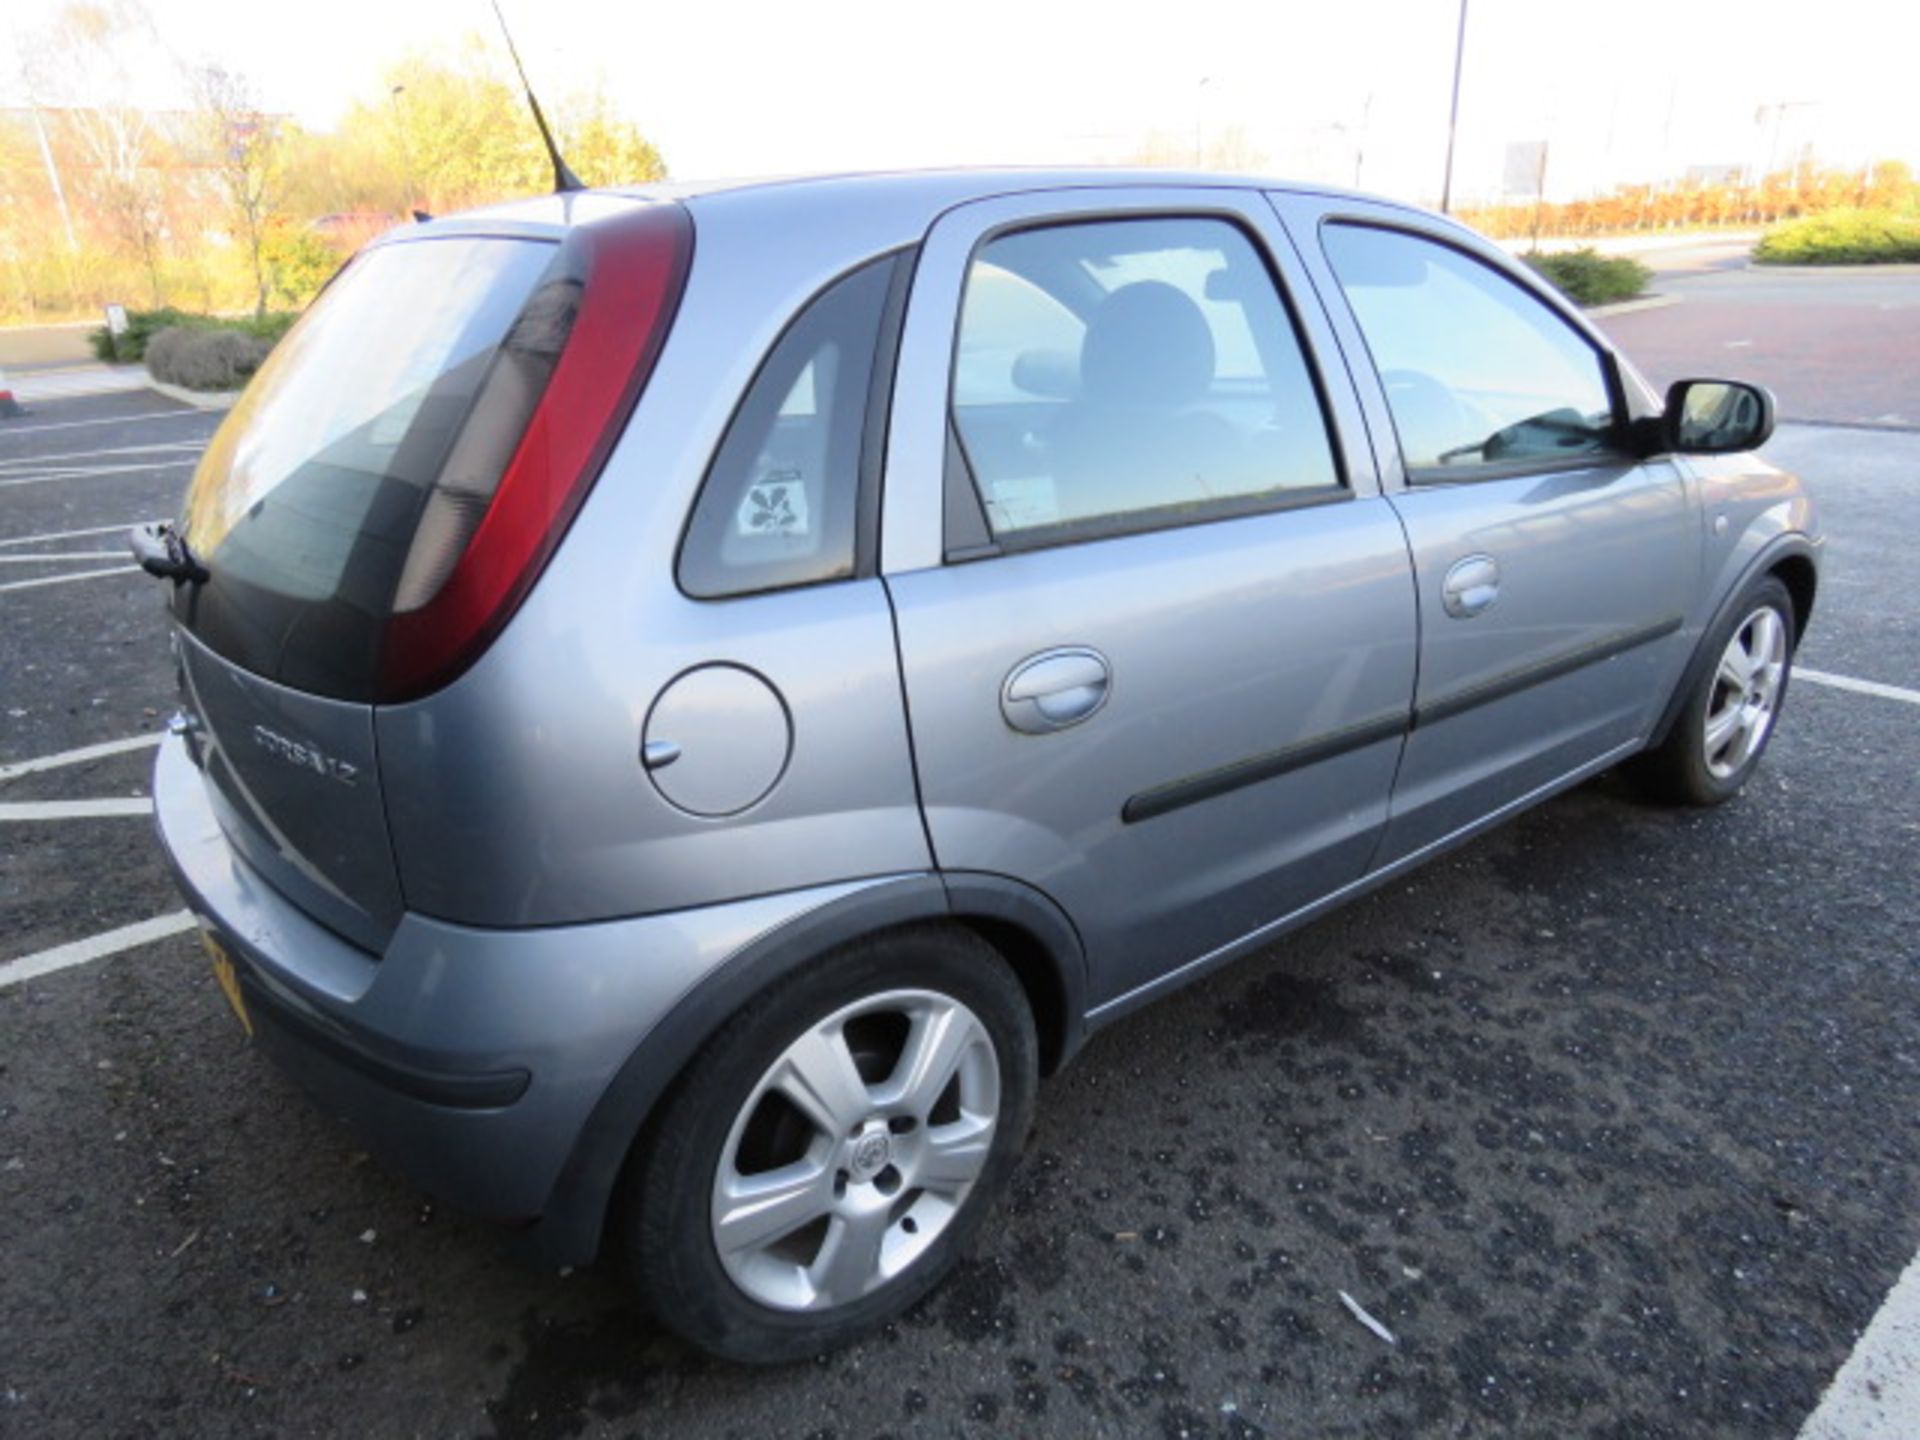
<point>53,178</point>
<point>1453,115</point>
<point>1199,155</point>
<point>406,151</point>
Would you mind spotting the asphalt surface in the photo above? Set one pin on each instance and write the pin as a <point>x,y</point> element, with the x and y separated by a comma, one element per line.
<point>1608,1117</point>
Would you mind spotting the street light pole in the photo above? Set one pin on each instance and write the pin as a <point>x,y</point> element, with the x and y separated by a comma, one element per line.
<point>53,178</point>
<point>1453,115</point>
<point>1199,155</point>
<point>406,150</point>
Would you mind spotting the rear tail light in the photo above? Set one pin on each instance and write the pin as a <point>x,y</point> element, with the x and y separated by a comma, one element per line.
<point>555,401</point>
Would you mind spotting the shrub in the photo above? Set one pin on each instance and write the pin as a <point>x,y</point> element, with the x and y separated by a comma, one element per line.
<point>205,359</point>
<point>298,261</point>
<point>143,325</point>
<point>1587,277</point>
<point>1842,237</point>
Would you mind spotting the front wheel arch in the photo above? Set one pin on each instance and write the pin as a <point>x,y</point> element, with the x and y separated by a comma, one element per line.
<point>1790,558</point>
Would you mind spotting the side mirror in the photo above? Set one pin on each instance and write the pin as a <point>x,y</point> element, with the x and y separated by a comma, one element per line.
<point>1716,417</point>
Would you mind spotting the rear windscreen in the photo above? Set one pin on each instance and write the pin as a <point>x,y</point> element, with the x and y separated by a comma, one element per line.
<point>306,504</point>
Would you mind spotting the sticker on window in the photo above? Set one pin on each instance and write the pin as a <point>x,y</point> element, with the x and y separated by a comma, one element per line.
<point>1023,502</point>
<point>774,505</point>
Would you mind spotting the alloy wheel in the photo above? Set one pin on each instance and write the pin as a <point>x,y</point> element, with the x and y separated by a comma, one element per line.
<point>1746,692</point>
<point>855,1150</point>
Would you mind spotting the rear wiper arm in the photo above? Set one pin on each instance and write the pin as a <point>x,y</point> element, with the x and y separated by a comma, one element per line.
<point>161,551</point>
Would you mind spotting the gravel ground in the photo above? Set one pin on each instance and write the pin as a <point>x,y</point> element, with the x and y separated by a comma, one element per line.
<point>1608,1118</point>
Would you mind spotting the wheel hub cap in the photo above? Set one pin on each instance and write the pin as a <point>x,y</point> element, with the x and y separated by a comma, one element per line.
<point>870,1153</point>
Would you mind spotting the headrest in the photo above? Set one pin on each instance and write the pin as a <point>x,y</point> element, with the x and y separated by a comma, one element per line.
<point>1052,373</point>
<point>1147,344</point>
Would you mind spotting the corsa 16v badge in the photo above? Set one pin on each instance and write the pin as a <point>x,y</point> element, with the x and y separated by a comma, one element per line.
<point>305,756</point>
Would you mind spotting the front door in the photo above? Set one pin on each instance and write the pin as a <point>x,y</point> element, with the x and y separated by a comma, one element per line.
<point>1554,566</point>
<point>1156,622</point>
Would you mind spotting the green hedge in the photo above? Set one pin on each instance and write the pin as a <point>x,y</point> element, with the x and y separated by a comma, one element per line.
<point>1842,237</point>
<point>202,358</point>
<point>1587,277</point>
<point>143,325</point>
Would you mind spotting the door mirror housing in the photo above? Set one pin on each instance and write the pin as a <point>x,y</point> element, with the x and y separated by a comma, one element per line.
<point>1716,417</point>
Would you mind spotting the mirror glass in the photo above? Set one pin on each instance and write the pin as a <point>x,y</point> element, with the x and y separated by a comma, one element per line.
<point>1719,415</point>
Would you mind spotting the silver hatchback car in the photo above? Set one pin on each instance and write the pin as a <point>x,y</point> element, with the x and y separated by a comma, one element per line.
<point>694,700</point>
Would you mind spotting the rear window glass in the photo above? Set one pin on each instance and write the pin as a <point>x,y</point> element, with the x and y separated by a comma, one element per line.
<point>305,506</point>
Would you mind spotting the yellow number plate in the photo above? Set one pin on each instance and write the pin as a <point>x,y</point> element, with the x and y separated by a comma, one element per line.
<point>229,981</point>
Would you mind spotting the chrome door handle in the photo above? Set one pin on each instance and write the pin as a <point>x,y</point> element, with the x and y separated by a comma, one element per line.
<point>1055,689</point>
<point>1471,586</point>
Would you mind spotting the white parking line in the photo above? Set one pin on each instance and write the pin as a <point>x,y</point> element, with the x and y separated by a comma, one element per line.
<point>63,459</point>
<point>1876,1395</point>
<point>94,472</point>
<point>18,811</point>
<point>11,431</point>
<point>1858,687</point>
<point>62,579</point>
<point>71,534</point>
<point>94,947</point>
<point>79,756</point>
<point>59,555</point>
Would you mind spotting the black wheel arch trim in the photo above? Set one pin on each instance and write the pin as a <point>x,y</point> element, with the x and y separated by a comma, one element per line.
<point>573,1223</point>
<point>1793,545</point>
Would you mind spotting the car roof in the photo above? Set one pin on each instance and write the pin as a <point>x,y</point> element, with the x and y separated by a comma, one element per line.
<point>915,195</point>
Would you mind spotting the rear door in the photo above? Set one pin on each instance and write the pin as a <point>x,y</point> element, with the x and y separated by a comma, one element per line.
<point>1554,566</point>
<point>1156,622</point>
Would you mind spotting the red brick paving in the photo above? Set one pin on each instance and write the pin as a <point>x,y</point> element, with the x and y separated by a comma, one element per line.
<point>1826,356</point>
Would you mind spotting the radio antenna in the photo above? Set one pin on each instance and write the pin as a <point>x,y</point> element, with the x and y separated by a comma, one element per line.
<point>563,178</point>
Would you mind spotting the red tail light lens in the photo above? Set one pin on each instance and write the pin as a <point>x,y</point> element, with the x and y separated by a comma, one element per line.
<point>617,281</point>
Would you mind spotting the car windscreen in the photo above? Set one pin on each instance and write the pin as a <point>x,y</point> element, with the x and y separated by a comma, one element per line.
<point>305,506</point>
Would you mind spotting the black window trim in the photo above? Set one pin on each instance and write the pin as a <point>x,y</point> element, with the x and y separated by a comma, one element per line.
<point>870,464</point>
<point>1621,450</point>
<point>1138,522</point>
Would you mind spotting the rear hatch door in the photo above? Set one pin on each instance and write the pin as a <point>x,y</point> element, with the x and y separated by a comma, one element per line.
<point>334,490</point>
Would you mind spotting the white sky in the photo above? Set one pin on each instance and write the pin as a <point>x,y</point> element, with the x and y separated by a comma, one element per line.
<point>1622,89</point>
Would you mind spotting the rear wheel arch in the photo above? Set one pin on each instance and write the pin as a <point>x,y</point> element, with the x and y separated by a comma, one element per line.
<point>1029,933</point>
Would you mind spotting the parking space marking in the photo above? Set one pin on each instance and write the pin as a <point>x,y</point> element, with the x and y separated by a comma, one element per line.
<point>1858,687</point>
<point>59,555</point>
<point>19,811</point>
<point>62,579</point>
<point>93,473</point>
<point>94,947</point>
<point>70,534</point>
<point>1876,1394</point>
<point>11,431</point>
<point>64,459</point>
<point>79,756</point>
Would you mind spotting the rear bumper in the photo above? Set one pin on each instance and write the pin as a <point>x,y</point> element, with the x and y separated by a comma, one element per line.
<point>467,1060</point>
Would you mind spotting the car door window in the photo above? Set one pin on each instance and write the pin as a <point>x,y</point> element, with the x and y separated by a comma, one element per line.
<point>1126,374</point>
<point>1480,375</point>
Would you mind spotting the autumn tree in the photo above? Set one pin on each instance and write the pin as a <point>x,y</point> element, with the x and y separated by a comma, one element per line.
<point>83,64</point>
<point>449,133</point>
<point>243,149</point>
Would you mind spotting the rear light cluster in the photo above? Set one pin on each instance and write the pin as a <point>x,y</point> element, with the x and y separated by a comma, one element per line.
<point>554,402</point>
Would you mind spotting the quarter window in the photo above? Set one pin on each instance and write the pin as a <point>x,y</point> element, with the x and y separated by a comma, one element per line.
<point>1130,373</point>
<point>781,503</point>
<point>1478,373</point>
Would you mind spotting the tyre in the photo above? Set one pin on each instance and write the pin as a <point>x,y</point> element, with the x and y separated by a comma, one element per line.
<point>1723,729</point>
<point>835,1146</point>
